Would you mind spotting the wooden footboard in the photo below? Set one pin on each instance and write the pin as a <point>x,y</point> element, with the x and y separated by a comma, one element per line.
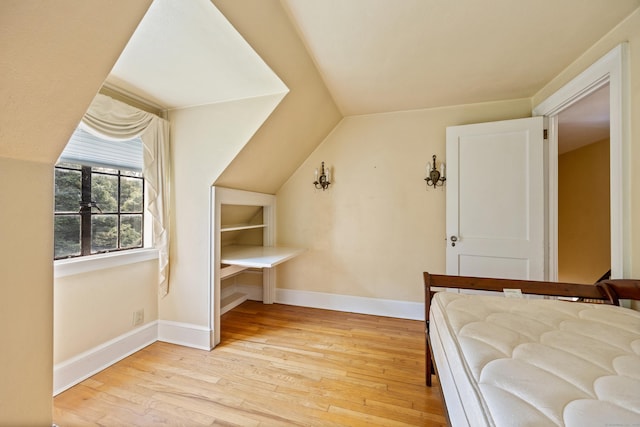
<point>607,291</point>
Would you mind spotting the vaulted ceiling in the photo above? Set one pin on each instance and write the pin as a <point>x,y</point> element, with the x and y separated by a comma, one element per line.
<point>188,54</point>
<point>373,55</point>
<point>388,55</point>
<point>369,56</point>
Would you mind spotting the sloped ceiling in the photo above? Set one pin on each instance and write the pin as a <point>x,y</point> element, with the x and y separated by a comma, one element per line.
<point>54,57</point>
<point>354,57</point>
<point>304,117</point>
<point>187,54</point>
<point>388,55</point>
<point>372,55</point>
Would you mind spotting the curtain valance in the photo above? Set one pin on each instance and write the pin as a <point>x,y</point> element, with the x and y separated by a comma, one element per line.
<point>114,120</point>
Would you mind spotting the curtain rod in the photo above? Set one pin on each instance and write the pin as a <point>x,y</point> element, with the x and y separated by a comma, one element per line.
<point>149,106</point>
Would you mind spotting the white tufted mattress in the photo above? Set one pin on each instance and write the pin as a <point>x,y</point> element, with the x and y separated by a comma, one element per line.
<point>525,362</point>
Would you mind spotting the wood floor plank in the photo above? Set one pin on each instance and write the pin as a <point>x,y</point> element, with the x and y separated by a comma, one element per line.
<point>277,365</point>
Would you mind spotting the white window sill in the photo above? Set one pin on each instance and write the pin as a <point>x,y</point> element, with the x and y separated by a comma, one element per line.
<point>72,266</point>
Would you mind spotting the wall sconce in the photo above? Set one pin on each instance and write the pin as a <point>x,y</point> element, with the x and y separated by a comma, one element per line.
<point>322,180</point>
<point>434,177</point>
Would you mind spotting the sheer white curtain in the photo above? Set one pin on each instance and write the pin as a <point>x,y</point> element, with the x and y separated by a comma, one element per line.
<point>115,120</point>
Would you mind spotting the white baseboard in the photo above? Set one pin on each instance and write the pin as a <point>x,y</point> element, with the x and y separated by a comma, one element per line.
<point>80,367</point>
<point>352,304</point>
<point>186,334</point>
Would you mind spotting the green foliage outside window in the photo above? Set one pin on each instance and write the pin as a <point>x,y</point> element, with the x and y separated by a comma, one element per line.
<point>115,210</point>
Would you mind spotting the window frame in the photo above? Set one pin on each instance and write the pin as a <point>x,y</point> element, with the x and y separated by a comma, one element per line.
<point>86,209</point>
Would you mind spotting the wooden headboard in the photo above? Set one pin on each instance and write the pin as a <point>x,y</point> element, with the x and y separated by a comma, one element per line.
<point>530,287</point>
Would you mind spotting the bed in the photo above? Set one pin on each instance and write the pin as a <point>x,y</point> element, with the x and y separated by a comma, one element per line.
<point>542,357</point>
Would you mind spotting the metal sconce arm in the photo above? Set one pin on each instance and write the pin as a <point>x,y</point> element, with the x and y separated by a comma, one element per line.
<point>435,178</point>
<point>322,179</point>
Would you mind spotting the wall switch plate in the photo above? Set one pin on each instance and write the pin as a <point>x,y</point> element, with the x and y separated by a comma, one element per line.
<point>138,317</point>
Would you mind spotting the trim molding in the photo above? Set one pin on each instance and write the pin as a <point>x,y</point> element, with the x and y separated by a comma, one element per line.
<point>85,264</point>
<point>352,304</point>
<point>186,334</point>
<point>72,371</point>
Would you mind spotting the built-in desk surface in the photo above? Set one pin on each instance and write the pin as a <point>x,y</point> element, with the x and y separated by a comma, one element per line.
<point>237,258</point>
<point>257,256</point>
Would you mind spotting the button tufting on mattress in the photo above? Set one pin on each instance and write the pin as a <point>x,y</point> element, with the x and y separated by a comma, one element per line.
<point>546,362</point>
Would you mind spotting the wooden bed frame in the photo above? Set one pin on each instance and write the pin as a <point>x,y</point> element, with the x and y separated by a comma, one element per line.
<point>606,291</point>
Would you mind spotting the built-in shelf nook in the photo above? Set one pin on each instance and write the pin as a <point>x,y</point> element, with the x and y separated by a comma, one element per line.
<point>243,250</point>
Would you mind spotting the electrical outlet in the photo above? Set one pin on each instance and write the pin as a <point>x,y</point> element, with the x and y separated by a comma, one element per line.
<point>138,317</point>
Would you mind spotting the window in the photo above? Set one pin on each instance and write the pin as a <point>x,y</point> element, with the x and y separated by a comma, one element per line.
<point>99,196</point>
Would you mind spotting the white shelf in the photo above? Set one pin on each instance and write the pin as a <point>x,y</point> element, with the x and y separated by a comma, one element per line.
<point>238,227</point>
<point>231,270</point>
<point>257,256</point>
<point>232,301</point>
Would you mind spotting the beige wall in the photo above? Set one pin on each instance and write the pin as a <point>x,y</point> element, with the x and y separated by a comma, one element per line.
<point>584,221</point>
<point>26,276</point>
<point>92,308</point>
<point>230,144</point>
<point>204,140</point>
<point>628,30</point>
<point>54,57</point>
<point>378,227</point>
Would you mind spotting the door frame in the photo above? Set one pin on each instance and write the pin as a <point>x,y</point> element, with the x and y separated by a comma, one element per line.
<point>611,69</point>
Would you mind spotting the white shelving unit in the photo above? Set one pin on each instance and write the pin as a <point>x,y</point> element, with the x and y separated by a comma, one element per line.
<point>227,261</point>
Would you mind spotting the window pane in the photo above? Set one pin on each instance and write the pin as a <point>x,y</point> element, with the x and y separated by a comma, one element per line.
<point>68,188</point>
<point>104,191</point>
<point>130,195</point>
<point>104,233</point>
<point>131,173</point>
<point>131,231</point>
<point>105,170</point>
<point>66,235</point>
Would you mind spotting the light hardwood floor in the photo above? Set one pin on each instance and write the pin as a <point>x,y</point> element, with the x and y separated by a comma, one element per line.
<point>276,365</point>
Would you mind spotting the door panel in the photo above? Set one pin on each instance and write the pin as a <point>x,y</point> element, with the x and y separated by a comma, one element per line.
<point>493,266</point>
<point>495,204</point>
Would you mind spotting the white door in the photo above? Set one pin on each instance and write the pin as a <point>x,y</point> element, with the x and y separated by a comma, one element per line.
<point>495,200</point>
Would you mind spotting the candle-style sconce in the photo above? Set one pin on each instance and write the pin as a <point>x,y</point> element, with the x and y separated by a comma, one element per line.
<point>322,179</point>
<point>435,177</point>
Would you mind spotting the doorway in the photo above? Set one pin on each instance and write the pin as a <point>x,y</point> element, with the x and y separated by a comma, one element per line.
<point>610,70</point>
<point>584,235</point>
